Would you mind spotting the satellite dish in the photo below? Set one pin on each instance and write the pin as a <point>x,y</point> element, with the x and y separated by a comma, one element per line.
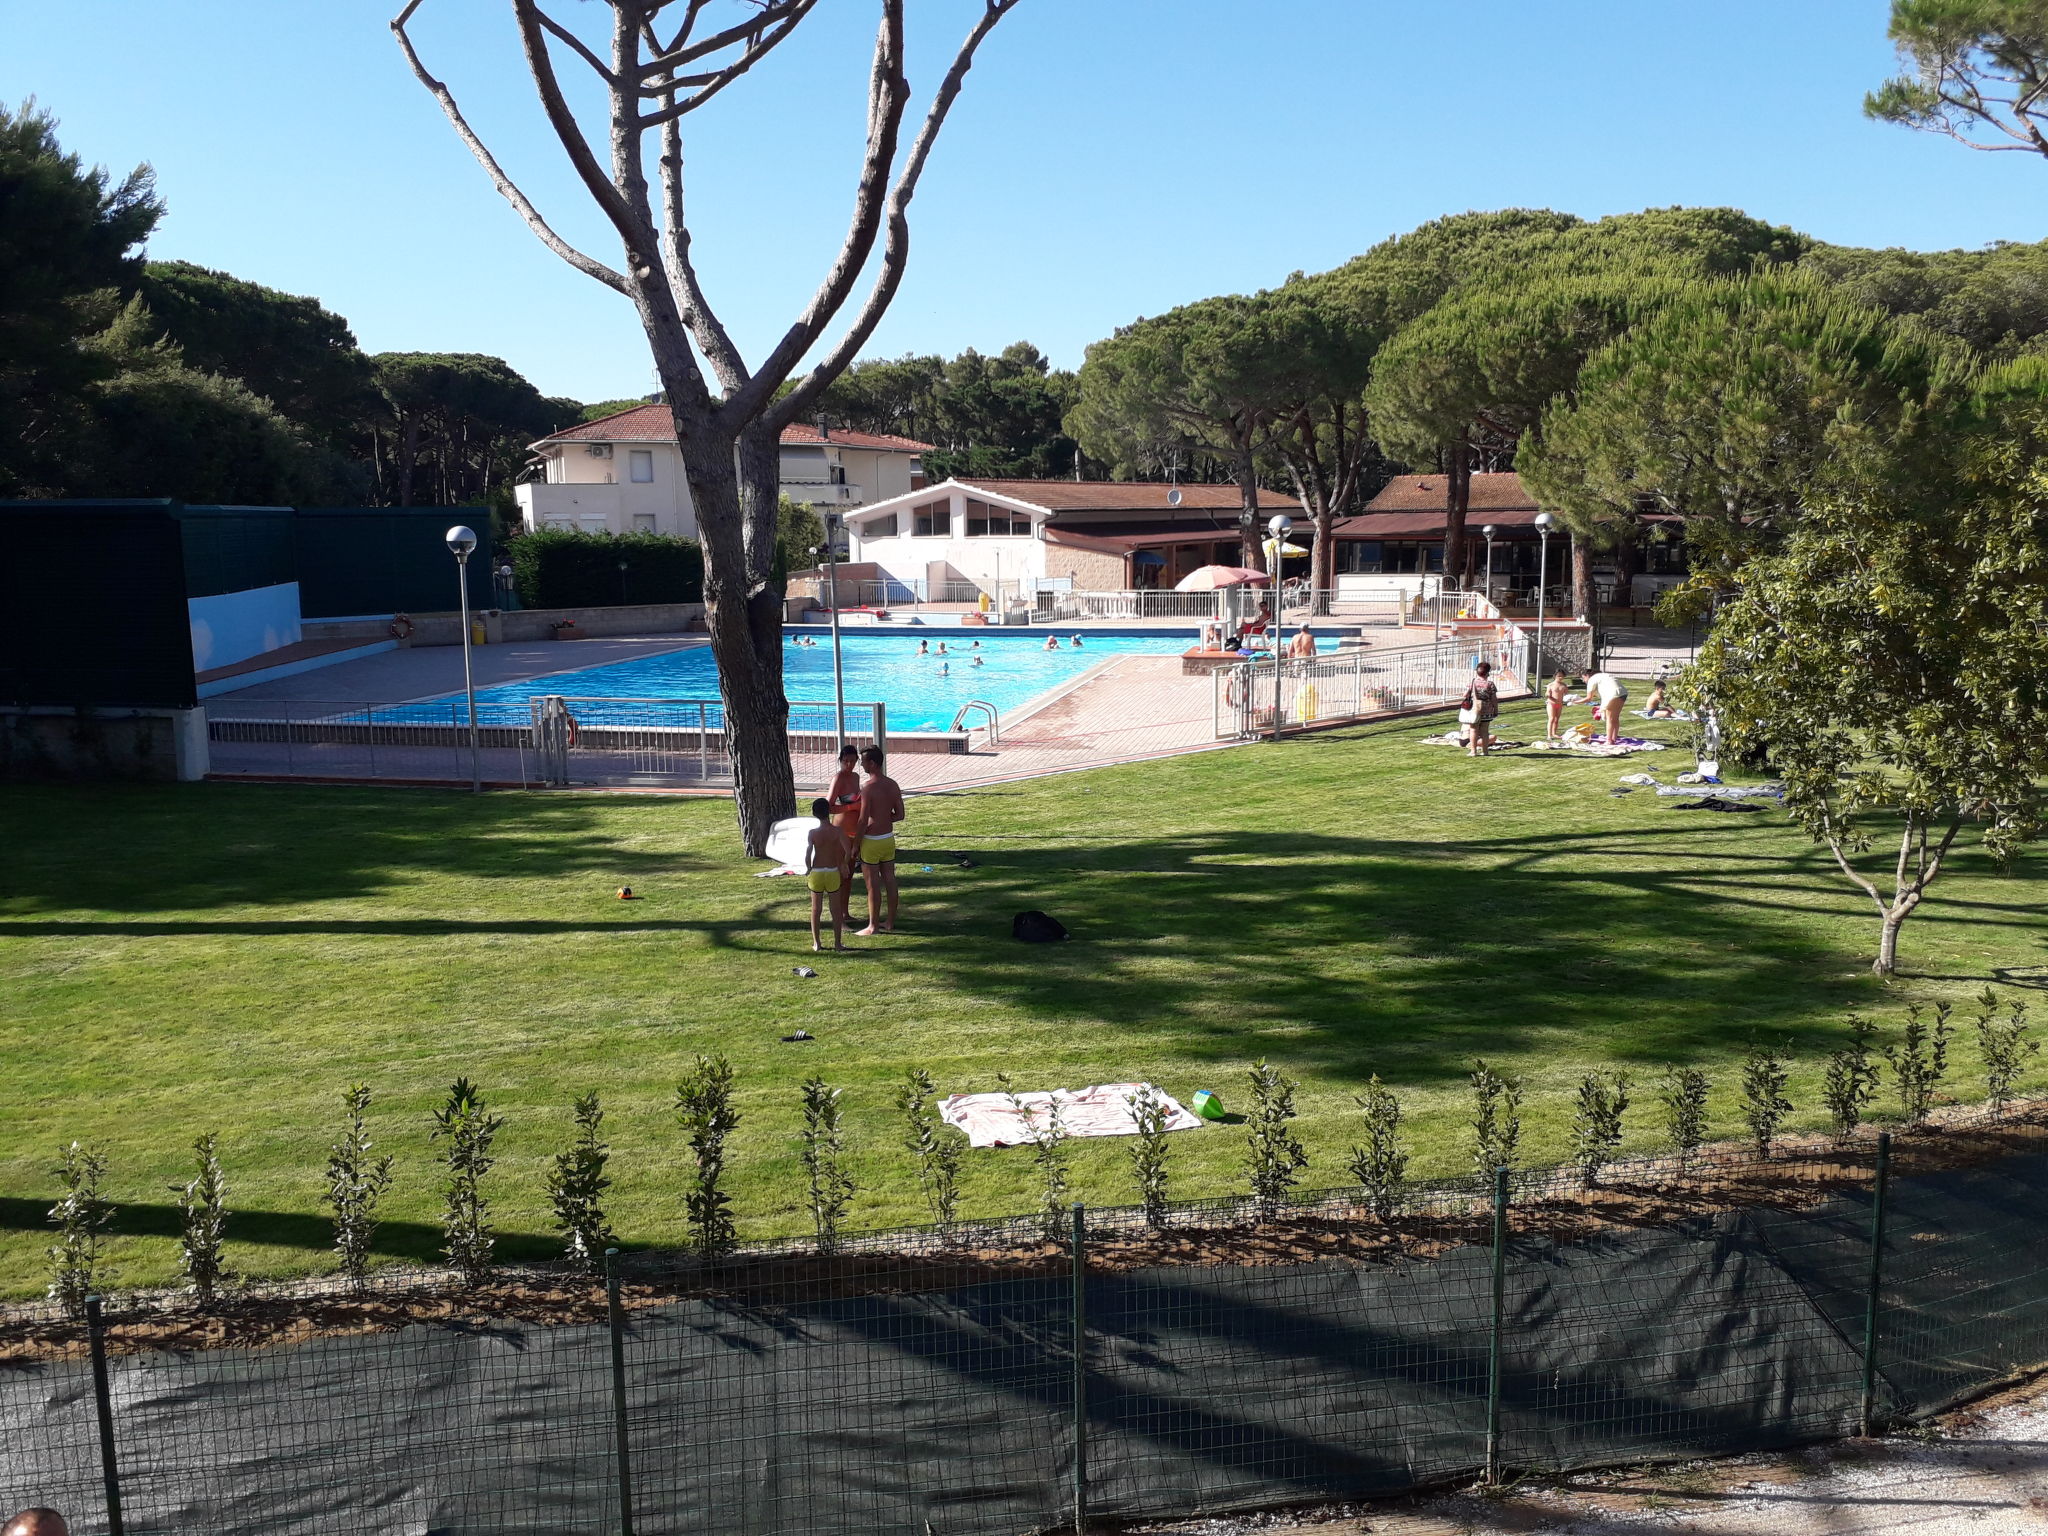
<point>1173,497</point>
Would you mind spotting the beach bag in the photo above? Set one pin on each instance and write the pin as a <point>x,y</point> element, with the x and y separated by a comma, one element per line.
<point>1036,928</point>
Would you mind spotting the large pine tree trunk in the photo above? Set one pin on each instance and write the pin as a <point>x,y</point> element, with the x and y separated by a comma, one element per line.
<point>1582,582</point>
<point>1253,553</point>
<point>1457,505</point>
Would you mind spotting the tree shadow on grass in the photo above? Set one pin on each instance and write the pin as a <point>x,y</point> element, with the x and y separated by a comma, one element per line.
<point>1644,946</point>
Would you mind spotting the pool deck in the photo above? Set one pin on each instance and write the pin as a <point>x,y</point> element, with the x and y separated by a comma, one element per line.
<point>1128,708</point>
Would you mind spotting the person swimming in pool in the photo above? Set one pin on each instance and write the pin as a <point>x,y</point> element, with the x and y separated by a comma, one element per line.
<point>881,807</point>
<point>945,669</point>
<point>942,648</point>
<point>975,647</point>
<point>1052,642</point>
<point>827,859</point>
<point>980,662</point>
<point>1075,642</point>
<point>924,647</point>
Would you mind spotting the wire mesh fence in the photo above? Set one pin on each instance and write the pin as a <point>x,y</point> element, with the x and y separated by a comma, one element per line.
<point>1021,1376</point>
<point>1356,684</point>
<point>425,741</point>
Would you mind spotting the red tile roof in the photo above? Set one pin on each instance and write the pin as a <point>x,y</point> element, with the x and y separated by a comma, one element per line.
<point>1127,496</point>
<point>653,424</point>
<point>1430,493</point>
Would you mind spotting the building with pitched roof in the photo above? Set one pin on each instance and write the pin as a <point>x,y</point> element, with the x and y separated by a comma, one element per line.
<point>623,473</point>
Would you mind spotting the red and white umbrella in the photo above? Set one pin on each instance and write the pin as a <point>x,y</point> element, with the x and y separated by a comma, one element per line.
<point>1213,578</point>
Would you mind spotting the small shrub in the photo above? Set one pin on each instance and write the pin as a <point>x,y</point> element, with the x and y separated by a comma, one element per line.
<point>937,1154</point>
<point>2004,1045</point>
<point>1496,1119</point>
<point>356,1181</point>
<point>1048,1160</point>
<point>1764,1105</point>
<point>576,1186</point>
<point>824,1145</point>
<point>203,1221</point>
<point>1274,1155</point>
<point>1920,1060</point>
<point>469,1128</point>
<point>1380,1162</point>
<point>80,1218</point>
<point>1148,1152</point>
<point>704,1105</point>
<point>1597,1122</point>
<point>1852,1079</point>
<point>1683,1093</point>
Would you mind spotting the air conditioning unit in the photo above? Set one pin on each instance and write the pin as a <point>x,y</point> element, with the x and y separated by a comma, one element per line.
<point>599,450</point>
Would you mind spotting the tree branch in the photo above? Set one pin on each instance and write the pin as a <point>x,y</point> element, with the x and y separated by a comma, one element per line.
<point>710,333</point>
<point>603,69</point>
<point>895,251</point>
<point>589,266</point>
<point>717,80</point>
<point>771,14</point>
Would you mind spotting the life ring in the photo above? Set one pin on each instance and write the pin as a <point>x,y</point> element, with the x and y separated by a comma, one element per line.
<point>401,626</point>
<point>569,727</point>
<point>1233,689</point>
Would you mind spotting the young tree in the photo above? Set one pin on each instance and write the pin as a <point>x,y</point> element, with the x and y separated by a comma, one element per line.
<point>1919,1061</point>
<point>1148,1152</point>
<point>823,1145</point>
<point>1048,1139</point>
<point>356,1181</point>
<point>704,1105</point>
<point>937,1154</point>
<point>1764,1105</point>
<point>203,1221</point>
<point>1380,1162</point>
<point>576,1185</point>
<point>80,1218</point>
<point>1976,70</point>
<point>1597,1122</point>
<point>1887,665</point>
<point>1274,1155</point>
<point>1683,1095</point>
<point>1851,1081</point>
<point>1496,1119</point>
<point>2004,1046</point>
<point>469,1128</point>
<point>656,62</point>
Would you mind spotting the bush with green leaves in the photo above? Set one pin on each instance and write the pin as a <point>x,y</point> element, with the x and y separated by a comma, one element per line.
<point>1597,1122</point>
<point>468,1127</point>
<point>203,1221</point>
<point>576,1187</point>
<point>2004,1047</point>
<point>1149,1115</point>
<point>1380,1162</point>
<point>1683,1094</point>
<point>1764,1105</point>
<point>937,1154</point>
<point>704,1105</point>
<point>1274,1155</point>
<point>1048,1142</point>
<point>81,1218</point>
<point>1851,1082</point>
<point>823,1145</point>
<point>1920,1059</point>
<point>1496,1122</point>
<point>564,568</point>
<point>356,1181</point>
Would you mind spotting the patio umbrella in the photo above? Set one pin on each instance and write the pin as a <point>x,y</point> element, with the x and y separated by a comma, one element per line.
<point>1213,578</point>
<point>1289,550</point>
<point>1148,557</point>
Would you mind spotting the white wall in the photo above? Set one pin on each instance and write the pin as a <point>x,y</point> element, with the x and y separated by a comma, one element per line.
<point>234,626</point>
<point>664,504</point>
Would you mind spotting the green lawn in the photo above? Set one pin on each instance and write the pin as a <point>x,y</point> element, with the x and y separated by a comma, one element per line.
<point>179,959</point>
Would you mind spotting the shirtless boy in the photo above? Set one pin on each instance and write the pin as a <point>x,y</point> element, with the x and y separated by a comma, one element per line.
<point>828,858</point>
<point>881,807</point>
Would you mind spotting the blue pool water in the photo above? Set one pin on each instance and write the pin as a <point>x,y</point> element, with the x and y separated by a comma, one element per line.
<point>879,667</point>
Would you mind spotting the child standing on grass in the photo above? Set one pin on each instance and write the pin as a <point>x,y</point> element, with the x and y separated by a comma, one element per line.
<point>827,858</point>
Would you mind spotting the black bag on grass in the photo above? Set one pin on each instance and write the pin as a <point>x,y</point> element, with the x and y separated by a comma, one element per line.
<point>1036,928</point>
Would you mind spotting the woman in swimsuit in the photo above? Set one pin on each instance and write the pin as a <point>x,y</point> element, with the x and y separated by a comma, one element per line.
<point>845,792</point>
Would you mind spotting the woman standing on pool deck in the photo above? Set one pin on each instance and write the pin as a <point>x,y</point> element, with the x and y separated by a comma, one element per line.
<point>881,807</point>
<point>845,794</point>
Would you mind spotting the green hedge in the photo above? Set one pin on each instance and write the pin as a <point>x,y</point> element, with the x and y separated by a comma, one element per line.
<point>561,568</point>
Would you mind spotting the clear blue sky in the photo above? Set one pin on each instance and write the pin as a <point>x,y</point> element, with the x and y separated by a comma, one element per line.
<point>1110,158</point>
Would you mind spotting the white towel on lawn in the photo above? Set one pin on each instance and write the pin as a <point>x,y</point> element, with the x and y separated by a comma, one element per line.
<point>990,1120</point>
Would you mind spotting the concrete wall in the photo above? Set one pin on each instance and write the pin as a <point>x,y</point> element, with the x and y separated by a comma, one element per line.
<point>528,624</point>
<point>234,626</point>
<point>1093,570</point>
<point>104,744</point>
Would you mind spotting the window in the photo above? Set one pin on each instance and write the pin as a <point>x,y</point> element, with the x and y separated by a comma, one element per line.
<point>642,462</point>
<point>933,520</point>
<point>985,521</point>
<point>593,522</point>
<point>836,474</point>
<point>643,522</point>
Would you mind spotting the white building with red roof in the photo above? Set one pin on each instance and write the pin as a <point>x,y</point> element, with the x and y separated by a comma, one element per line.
<point>623,473</point>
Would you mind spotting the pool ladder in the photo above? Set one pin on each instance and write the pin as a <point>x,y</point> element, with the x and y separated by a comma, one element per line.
<point>995,724</point>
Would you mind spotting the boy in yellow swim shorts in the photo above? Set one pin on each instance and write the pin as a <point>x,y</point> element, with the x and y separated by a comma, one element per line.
<point>881,807</point>
<point>828,860</point>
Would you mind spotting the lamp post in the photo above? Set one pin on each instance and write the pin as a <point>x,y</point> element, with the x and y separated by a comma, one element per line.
<point>1280,526</point>
<point>1489,530</point>
<point>462,544</point>
<point>1544,523</point>
<point>832,526</point>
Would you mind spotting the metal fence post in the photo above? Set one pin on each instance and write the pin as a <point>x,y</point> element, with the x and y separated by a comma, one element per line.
<point>1493,1343</point>
<point>96,1334</point>
<point>622,1448</point>
<point>1080,1369</point>
<point>1879,1180</point>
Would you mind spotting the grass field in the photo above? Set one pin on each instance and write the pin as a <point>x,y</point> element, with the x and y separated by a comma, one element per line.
<point>212,957</point>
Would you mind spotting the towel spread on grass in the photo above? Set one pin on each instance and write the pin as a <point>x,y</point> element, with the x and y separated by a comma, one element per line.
<point>1669,714</point>
<point>1725,791</point>
<point>990,1120</point>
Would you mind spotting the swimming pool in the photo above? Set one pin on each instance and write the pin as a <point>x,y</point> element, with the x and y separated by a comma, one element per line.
<point>1014,669</point>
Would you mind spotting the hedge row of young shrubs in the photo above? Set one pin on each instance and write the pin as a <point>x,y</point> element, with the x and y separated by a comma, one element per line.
<point>464,1128</point>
